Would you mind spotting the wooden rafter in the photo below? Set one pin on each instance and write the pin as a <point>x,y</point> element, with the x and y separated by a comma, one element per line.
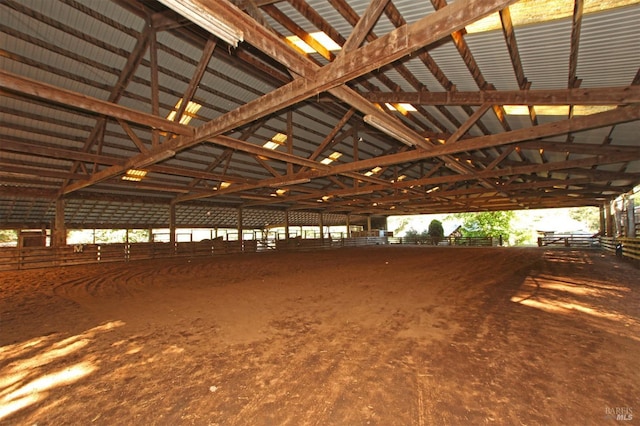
<point>619,95</point>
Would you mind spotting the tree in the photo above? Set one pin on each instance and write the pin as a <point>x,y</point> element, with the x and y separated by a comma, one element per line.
<point>589,216</point>
<point>8,235</point>
<point>404,222</point>
<point>485,224</point>
<point>413,236</point>
<point>435,232</point>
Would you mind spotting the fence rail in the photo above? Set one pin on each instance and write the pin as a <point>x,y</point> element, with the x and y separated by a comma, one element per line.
<point>624,247</point>
<point>12,258</point>
<point>569,240</point>
<point>449,241</point>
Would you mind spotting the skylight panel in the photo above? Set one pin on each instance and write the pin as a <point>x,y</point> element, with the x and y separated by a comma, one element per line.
<point>402,107</point>
<point>320,37</point>
<point>527,12</point>
<point>557,110</point>
<point>134,175</point>
<point>374,171</point>
<point>222,185</point>
<point>333,157</point>
<point>277,140</point>
<point>189,112</point>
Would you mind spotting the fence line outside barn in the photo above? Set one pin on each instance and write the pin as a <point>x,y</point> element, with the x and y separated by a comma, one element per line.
<point>12,258</point>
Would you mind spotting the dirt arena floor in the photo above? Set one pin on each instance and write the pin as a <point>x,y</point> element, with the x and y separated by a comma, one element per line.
<point>378,335</point>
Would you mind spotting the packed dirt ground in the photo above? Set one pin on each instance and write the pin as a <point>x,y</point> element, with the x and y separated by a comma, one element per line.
<point>379,335</point>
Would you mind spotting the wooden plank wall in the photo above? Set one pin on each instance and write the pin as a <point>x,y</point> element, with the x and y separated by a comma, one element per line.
<point>630,246</point>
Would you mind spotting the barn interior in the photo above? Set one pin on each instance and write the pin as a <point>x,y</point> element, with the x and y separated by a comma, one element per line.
<point>142,114</point>
<point>251,114</point>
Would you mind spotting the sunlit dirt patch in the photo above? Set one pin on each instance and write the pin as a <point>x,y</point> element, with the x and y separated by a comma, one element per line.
<point>592,300</point>
<point>34,370</point>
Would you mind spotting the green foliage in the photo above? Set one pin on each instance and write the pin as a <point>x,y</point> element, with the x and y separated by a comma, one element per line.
<point>404,222</point>
<point>485,224</point>
<point>411,233</point>
<point>521,237</point>
<point>139,236</point>
<point>436,231</point>
<point>120,235</point>
<point>8,235</point>
<point>589,216</point>
<point>415,237</point>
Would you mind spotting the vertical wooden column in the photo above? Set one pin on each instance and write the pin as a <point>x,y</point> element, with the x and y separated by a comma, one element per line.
<point>172,223</point>
<point>286,224</point>
<point>608,219</point>
<point>603,223</point>
<point>59,232</point>
<point>631,220</point>
<point>356,153</point>
<point>369,223</point>
<point>321,224</point>
<point>290,139</point>
<point>240,228</point>
<point>155,85</point>
<point>348,225</point>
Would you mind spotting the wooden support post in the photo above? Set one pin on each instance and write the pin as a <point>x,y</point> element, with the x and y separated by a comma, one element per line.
<point>59,232</point>
<point>240,227</point>
<point>631,220</point>
<point>172,224</point>
<point>369,223</point>
<point>321,224</point>
<point>348,225</point>
<point>609,219</point>
<point>286,224</point>
<point>603,223</point>
<point>290,140</point>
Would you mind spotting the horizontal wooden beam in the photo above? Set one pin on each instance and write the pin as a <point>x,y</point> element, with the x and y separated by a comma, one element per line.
<point>395,45</point>
<point>607,118</point>
<point>75,155</point>
<point>76,100</point>
<point>620,95</point>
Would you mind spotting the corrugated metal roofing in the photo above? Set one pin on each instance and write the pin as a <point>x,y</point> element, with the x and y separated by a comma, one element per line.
<point>609,48</point>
